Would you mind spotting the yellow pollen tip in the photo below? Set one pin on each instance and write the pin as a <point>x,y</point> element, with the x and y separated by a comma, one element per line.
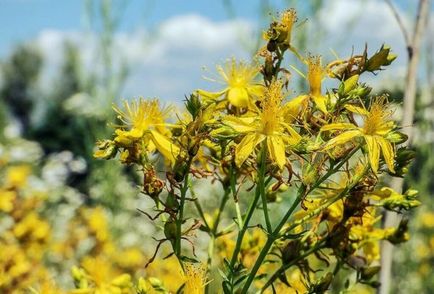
<point>289,17</point>
<point>271,110</point>
<point>315,74</point>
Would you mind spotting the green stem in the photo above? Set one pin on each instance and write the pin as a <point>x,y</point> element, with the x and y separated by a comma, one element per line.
<point>244,227</point>
<point>250,211</point>
<point>180,219</point>
<point>275,235</point>
<point>341,195</point>
<point>270,240</point>
<point>261,184</point>
<point>239,217</point>
<point>184,189</point>
<point>284,267</point>
<point>213,233</point>
<point>234,193</point>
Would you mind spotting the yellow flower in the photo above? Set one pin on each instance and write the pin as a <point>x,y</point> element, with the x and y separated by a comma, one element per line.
<point>376,126</point>
<point>427,219</point>
<point>140,115</point>
<point>99,278</point>
<point>97,223</point>
<point>17,175</point>
<point>46,287</point>
<point>315,75</point>
<point>131,258</point>
<point>287,20</point>
<point>7,199</point>
<point>32,227</point>
<point>168,271</point>
<point>241,88</point>
<point>195,279</point>
<point>281,30</point>
<point>268,125</point>
<point>144,121</point>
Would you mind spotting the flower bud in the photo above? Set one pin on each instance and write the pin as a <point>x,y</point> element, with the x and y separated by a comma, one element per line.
<point>156,284</point>
<point>381,58</point>
<point>180,169</point>
<point>367,273</point>
<point>350,83</point>
<point>106,149</point>
<point>273,191</point>
<point>122,281</point>
<point>172,202</point>
<point>360,91</point>
<point>395,201</point>
<point>193,105</point>
<point>323,284</point>
<point>152,185</point>
<point>310,175</point>
<point>170,230</point>
<point>306,146</point>
<point>390,58</point>
<point>396,137</point>
<point>79,277</point>
<point>142,286</point>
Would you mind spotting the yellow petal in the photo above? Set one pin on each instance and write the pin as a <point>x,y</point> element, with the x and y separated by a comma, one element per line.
<point>293,107</point>
<point>238,97</point>
<point>351,83</point>
<point>240,124</point>
<point>276,148</point>
<point>388,152</point>
<point>293,137</point>
<point>385,128</point>
<point>136,133</point>
<point>356,109</point>
<point>338,126</point>
<point>164,146</point>
<point>122,138</point>
<point>256,90</point>
<point>246,147</point>
<point>342,139</point>
<point>373,152</point>
<point>210,95</point>
<point>320,102</point>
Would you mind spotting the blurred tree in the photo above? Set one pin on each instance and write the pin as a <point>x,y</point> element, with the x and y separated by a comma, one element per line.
<point>20,74</point>
<point>68,126</point>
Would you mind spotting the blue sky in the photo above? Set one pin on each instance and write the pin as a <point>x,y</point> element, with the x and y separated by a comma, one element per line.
<point>24,19</point>
<point>167,42</point>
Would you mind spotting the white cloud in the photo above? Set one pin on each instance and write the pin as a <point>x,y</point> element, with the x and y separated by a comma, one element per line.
<point>354,23</point>
<point>166,63</point>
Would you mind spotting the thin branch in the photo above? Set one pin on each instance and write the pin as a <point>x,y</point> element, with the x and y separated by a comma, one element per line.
<point>398,18</point>
<point>392,219</point>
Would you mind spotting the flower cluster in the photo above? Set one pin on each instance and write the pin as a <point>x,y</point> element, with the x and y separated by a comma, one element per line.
<point>77,253</point>
<point>304,169</point>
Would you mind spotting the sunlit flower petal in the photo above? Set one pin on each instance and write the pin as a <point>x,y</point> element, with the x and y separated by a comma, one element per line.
<point>373,152</point>
<point>164,146</point>
<point>246,147</point>
<point>338,126</point>
<point>276,149</point>
<point>342,138</point>
<point>388,152</point>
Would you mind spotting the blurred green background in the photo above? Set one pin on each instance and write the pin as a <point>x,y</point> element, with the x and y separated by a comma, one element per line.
<point>63,64</point>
